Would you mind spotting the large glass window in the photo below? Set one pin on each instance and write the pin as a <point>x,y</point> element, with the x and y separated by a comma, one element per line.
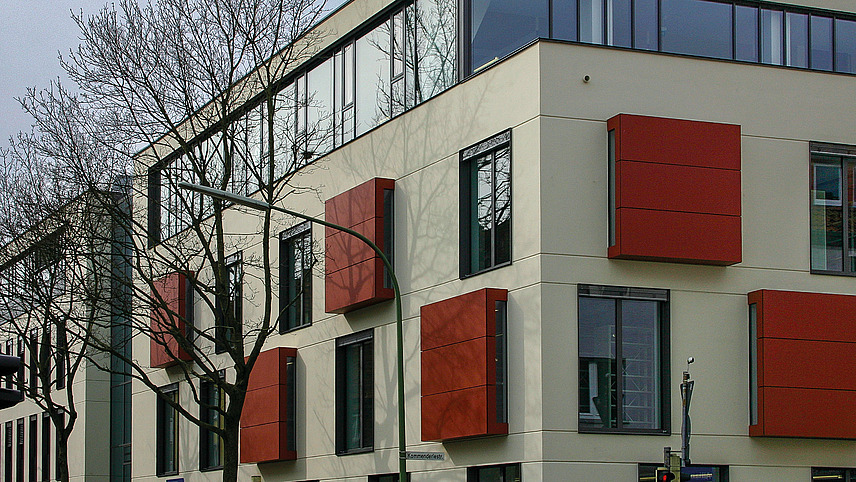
<point>821,42</point>
<point>211,409</point>
<point>435,50</point>
<point>772,36</point>
<point>494,473</point>
<point>498,27</point>
<point>230,306</point>
<point>295,272</point>
<point>646,16</point>
<point>796,39</point>
<point>355,393</point>
<point>845,46</point>
<point>319,122</point>
<point>486,205</point>
<point>618,21</point>
<point>746,33</point>
<point>696,27</point>
<point>623,356</point>
<point>167,433</point>
<point>833,209</point>
<point>591,21</point>
<point>373,78</point>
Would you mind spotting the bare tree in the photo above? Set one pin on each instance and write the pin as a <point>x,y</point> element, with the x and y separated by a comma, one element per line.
<point>197,85</point>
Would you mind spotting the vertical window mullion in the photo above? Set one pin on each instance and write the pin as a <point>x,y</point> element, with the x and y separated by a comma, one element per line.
<point>845,215</point>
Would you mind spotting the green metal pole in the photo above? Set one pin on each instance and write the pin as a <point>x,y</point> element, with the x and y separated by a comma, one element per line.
<point>263,206</point>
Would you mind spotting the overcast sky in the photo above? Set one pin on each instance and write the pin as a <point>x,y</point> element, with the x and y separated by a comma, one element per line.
<point>32,33</point>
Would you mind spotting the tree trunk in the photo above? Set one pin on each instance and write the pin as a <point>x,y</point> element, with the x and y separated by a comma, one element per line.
<point>230,448</point>
<point>61,456</point>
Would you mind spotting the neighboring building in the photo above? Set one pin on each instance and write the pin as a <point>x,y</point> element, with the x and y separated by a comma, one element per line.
<point>570,219</point>
<point>37,274</point>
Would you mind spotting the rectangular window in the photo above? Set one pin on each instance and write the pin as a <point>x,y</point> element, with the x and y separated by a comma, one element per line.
<point>696,27</point>
<point>494,473</point>
<point>746,33</point>
<point>19,451</point>
<point>827,474</point>
<point>211,408</point>
<point>501,361</point>
<point>845,45</point>
<point>355,393</point>
<point>34,363</point>
<point>231,306</point>
<point>33,449</point>
<point>833,209</point>
<point>291,403</point>
<point>295,274</point>
<point>772,36</point>
<point>821,42</point>
<point>486,205</point>
<point>753,364</point>
<point>631,325</point>
<point>21,373</point>
<point>7,453</point>
<point>46,447</point>
<point>796,39</point>
<point>167,433</point>
<point>388,230</point>
<point>646,20</point>
<point>386,478</point>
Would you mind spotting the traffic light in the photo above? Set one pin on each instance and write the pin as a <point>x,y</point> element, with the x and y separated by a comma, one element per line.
<point>664,475</point>
<point>9,365</point>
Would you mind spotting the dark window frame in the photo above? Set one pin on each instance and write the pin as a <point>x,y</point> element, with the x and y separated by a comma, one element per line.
<point>234,302</point>
<point>46,446</point>
<point>207,413</point>
<point>8,453</point>
<point>33,448</point>
<point>298,314</point>
<point>19,450</point>
<point>364,339</point>
<point>163,407</point>
<point>467,156</point>
<point>618,293</point>
<point>474,473</point>
<point>845,156</point>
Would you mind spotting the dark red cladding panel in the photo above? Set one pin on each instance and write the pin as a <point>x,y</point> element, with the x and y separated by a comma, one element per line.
<point>459,366</point>
<point>806,352</point>
<point>461,414</point>
<point>808,413</point>
<point>264,431</point>
<point>461,318</point>
<point>265,443</point>
<point>677,141</point>
<point>170,291</point>
<point>652,235</point>
<point>354,273</point>
<point>679,188</point>
<point>809,364</point>
<point>808,316</point>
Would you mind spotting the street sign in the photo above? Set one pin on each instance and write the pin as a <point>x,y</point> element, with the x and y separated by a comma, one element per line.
<point>425,456</point>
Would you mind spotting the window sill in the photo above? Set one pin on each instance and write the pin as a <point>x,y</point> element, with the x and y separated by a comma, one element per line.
<point>296,328</point>
<point>833,273</point>
<point>210,469</point>
<point>356,451</point>
<point>615,431</point>
<point>486,270</point>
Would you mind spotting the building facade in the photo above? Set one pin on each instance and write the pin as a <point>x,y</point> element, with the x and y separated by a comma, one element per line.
<point>577,196</point>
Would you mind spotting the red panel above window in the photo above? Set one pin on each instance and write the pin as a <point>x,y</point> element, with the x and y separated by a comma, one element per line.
<point>806,347</point>
<point>354,274</point>
<point>168,313</point>
<point>459,391</point>
<point>264,420</point>
<point>676,190</point>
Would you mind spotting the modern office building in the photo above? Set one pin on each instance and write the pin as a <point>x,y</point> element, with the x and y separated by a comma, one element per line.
<point>50,289</point>
<point>577,195</point>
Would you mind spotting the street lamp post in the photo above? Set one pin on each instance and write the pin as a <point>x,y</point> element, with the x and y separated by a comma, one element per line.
<point>263,206</point>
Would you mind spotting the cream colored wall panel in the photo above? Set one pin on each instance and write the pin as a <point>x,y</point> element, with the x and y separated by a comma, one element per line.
<point>559,355</point>
<point>775,193</point>
<point>690,88</point>
<point>573,186</point>
<point>712,328</point>
<point>569,471</point>
<point>779,474</point>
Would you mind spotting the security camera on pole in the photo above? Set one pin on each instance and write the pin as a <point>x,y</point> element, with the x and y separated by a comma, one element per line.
<point>686,396</point>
